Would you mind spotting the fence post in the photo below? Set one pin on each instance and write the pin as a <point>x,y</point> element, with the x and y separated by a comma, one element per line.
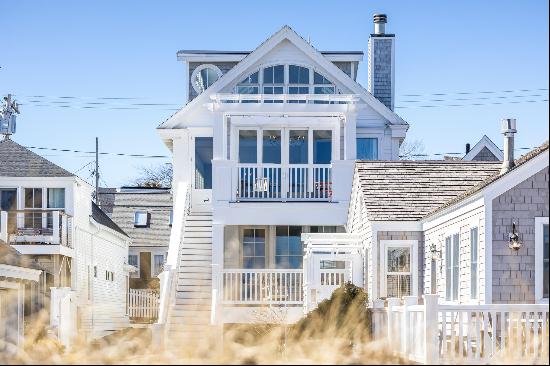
<point>378,318</point>
<point>406,330</point>
<point>431,329</point>
<point>392,302</point>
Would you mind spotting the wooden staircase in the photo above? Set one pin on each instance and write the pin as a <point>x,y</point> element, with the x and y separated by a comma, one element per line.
<point>189,317</point>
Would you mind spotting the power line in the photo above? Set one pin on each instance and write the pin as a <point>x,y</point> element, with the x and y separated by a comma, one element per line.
<point>100,153</point>
<point>471,104</point>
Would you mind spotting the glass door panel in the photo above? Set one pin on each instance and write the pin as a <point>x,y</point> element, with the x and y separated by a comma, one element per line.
<point>271,158</point>
<point>298,156</point>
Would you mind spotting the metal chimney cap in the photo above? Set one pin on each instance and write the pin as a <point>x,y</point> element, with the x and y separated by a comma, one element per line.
<point>508,125</point>
<point>380,18</point>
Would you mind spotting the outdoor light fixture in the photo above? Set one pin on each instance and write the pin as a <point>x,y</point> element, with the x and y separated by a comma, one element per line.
<point>436,254</point>
<point>514,242</point>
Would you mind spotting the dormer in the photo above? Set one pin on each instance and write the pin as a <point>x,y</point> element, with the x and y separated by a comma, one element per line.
<point>204,67</point>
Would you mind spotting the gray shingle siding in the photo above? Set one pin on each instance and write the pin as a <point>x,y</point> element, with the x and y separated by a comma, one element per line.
<point>513,274</point>
<point>158,203</point>
<point>223,66</point>
<point>381,64</point>
<point>485,155</point>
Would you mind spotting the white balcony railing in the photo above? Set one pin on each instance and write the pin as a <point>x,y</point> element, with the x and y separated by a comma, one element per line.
<point>262,287</point>
<point>228,98</point>
<point>277,182</point>
<point>36,227</point>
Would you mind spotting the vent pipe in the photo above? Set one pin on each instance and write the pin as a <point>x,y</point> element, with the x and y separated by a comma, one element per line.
<point>508,130</point>
<point>380,21</point>
<point>468,148</point>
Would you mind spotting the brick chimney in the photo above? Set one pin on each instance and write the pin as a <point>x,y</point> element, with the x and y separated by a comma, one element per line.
<point>508,130</point>
<point>381,56</point>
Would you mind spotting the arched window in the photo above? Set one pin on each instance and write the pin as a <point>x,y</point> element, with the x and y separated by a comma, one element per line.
<point>289,79</point>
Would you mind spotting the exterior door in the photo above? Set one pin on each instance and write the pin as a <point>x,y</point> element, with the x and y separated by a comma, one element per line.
<point>202,155</point>
<point>330,275</point>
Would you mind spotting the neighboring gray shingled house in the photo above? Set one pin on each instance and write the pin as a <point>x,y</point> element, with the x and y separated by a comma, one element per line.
<point>145,214</point>
<point>447,224</point>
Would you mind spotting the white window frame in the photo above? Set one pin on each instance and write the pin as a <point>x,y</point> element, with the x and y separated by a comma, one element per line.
<point>413,246</point>
<point>136,223</point>
<point>477,264</point>
<point>451,235</point>
<point>539,253</point>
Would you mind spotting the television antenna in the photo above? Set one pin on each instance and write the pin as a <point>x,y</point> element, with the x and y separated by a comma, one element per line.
<point>7,116</point>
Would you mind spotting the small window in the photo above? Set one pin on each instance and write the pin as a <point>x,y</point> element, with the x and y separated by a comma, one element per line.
<point>141,219</point>
<point>474,262</point>
<point>158,264</point>
<point>133,260</point>
<point>95,271</point>
<point>171,218</point>
<point>56,198</point>
<point>367,148</point>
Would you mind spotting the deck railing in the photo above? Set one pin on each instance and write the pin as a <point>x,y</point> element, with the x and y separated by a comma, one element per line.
<point>36,227</point>
<point>435,333</point>
<point>143,305</point>
<point>278,182</point>
<point>230,98</point>
<point>262,287</point>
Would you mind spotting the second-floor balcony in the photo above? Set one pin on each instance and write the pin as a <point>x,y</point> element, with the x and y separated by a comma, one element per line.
<point>36,227</point>
<point>283,182</point>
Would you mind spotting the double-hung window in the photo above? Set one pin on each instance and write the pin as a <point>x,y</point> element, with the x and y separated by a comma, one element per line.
<point>33,204</point>
<point>254,248</point>
<point>452,270</point>
<point>398,271</point>
<point>474,255</point>
<point>55,200</point>
<point>288,247</point>
<point>133,260</point>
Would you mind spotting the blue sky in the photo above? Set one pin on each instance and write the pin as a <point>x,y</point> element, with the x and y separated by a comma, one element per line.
<point>98,49</point>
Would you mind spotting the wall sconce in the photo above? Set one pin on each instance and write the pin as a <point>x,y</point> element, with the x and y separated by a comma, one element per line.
<point>436,254</point>
<point>514,242</point>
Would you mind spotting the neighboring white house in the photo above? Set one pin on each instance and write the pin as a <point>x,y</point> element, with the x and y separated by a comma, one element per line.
<point>48,215</point>
<point>20,293</point>
<point>263,152</point>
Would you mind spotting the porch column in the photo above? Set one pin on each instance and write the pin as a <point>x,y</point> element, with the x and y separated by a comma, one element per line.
<point>218,136</point>
<point>350,127</point>
<point>217,272</point>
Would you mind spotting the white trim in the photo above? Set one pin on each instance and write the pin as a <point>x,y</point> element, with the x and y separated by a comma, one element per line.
<point>247,62</point>
<point>396,226</point>
<point>539,253</point>
<point>413,245</point>
<point>489,144</point>
<point>21,273</point>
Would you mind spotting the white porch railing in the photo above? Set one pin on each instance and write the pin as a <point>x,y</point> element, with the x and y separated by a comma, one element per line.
<point>226,98</point>
<point>36,227</point>
<point>277,182</point>
<point>434,333</point>
<point>143,304</point>
<point>262,286</point>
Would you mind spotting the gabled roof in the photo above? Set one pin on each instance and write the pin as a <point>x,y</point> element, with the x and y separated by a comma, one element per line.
<point>18,161</point>
<point>484,143</point>
<point>286,33</point>
<point>494,177</point>
<point>101,218</point>
<point>409,190</point>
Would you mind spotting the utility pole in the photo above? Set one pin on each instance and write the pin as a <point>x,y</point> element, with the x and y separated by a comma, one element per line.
<point>7,116</point>
<point>96,171</point>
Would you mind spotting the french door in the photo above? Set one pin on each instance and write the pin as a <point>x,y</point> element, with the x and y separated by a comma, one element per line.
<point>202,153</point>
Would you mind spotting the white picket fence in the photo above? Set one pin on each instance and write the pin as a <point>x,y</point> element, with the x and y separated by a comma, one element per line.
<point>143,304</point>
<point>436,333</point>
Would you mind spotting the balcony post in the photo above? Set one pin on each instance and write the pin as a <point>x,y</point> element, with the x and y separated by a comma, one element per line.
<point>55,233</point>
<point>64,239</point>
<point>4,226</point>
